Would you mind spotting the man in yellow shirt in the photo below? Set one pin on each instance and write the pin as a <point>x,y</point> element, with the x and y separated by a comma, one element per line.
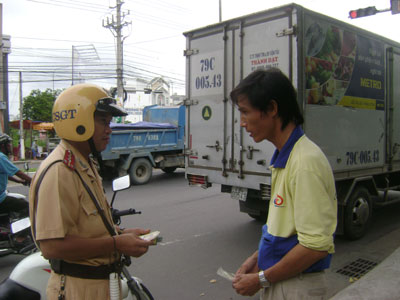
<point>67,221</point>
<point>297,242</point>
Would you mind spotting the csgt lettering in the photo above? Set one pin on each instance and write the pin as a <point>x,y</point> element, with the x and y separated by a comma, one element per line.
<point>64,114</point>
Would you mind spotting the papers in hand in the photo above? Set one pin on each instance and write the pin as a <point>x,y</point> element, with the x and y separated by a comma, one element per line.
<point>227,275</point>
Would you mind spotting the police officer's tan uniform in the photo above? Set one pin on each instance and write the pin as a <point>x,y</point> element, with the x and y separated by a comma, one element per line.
<point>64,207</point>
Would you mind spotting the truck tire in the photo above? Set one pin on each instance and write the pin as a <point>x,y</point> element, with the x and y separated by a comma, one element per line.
<point>358,212</point>
<point>140,171</point>
<point>169,170</point>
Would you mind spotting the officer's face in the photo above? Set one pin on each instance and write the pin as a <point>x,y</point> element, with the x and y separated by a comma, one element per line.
<point>102,130</point>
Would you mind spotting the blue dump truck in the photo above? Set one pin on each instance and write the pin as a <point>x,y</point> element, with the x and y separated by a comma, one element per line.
<point>137,148</point>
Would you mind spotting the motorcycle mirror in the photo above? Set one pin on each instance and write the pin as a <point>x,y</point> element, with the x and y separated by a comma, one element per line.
<point>20,225</point>
<point>121,183</point>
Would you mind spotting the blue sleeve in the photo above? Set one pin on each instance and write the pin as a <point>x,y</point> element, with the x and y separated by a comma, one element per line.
<point>7,167</point>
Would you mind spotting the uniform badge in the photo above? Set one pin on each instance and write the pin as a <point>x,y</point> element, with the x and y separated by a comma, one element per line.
<point>69,159</point>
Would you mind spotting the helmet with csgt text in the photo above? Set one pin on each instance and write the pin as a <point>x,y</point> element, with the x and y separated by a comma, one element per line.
<point>73,111</point>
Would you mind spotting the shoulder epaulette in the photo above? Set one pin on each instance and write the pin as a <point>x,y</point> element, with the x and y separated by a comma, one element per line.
<point>69,159</point>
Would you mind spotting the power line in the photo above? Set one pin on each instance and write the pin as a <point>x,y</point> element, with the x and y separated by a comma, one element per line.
<point>162,5</point>
<point>70,5</point>
<point>58,40</point>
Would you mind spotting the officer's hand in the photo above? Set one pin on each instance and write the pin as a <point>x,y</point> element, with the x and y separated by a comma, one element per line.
<point>132,245</point>
<point>136,231</point>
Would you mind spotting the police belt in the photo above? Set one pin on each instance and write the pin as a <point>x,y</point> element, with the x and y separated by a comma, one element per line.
<point>84,271</point>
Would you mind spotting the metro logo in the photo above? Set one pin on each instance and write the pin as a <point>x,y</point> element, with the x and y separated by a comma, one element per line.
<point>64,114</point>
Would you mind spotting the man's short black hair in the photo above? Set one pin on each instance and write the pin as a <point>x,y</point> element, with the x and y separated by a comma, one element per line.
<point>262,86</point>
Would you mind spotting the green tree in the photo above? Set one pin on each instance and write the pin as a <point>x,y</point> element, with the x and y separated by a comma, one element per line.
<point>38,105</point>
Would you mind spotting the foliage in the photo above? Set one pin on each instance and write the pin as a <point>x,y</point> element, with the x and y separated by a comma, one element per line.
<point>14,134</point>
<point>38,105</point>
<point>28,136</point>
<point>41,143</point>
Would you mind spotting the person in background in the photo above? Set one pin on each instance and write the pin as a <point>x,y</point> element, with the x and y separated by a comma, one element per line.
<point>8,171</point>
<point>70,216</point>
<point>34,149</point>
<point>297,240</point>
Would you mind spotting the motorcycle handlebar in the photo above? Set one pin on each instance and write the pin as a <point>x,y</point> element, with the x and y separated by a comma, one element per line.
<point>125,212</point>
<point>27,248</point>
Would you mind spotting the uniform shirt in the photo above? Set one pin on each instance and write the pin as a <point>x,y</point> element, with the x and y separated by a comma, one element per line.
<point>6,169</point>
<point>64,207</point>
<point>303,206</point>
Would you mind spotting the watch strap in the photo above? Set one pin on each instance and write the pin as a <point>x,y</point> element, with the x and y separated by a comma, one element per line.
<point>263,281</point>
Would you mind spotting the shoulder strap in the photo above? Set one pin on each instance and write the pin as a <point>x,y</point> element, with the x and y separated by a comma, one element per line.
<point>35,199</point>
<point>109,227</point>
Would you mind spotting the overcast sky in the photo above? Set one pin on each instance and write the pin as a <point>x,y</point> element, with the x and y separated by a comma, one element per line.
<point>43,33</point>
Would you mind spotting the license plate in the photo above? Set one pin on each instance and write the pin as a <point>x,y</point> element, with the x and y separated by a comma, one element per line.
<point>239,193</point>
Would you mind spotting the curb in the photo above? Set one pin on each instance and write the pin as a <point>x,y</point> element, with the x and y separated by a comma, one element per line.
<point>380,283</point>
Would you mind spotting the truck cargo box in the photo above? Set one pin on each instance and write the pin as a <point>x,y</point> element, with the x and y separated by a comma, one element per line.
<point>157,142</point>
<point>348,84</point>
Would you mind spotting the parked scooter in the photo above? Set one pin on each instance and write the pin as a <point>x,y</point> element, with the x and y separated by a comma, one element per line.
<point>15,232</point>
<point>29,278</point>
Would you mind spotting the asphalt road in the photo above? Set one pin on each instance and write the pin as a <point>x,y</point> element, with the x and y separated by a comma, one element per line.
<point>203,230</point>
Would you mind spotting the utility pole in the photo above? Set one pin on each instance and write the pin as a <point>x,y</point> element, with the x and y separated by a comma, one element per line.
<point>120,54</point>
<point>5,49</point>
<point>220,11</point>
<point>72,67</point>
<point>21,120</point>
<point>2,111</point>
<point>115,27</point>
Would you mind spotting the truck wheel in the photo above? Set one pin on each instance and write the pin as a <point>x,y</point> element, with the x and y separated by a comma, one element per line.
<point>140,171</point>
<point>358,212</point>
<point>169,169</point>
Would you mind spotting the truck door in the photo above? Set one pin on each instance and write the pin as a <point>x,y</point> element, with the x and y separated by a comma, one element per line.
<point>218,57</point>
<point>260,45</point>
<point>206,104</point>
<point>394,97</point>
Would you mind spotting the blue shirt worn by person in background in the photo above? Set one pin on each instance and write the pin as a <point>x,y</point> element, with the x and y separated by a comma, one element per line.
<point>6,169</point>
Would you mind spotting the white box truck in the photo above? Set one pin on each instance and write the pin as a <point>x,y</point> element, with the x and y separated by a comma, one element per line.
<point>348,84</point>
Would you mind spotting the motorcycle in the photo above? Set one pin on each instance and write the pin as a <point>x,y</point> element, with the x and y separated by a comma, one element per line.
<point>15,232</point>
<point>13,228</point>
<point>29,278</point>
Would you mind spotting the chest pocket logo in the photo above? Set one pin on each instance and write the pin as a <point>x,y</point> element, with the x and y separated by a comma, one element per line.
<point>278,201</point>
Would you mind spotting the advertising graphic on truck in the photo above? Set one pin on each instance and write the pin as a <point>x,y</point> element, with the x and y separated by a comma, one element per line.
<point>343,68</point>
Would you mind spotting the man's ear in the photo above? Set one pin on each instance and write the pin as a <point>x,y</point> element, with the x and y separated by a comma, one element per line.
<point>272,108</point>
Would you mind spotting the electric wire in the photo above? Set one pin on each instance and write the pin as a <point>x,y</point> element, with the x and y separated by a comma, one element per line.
<point>54,64</point>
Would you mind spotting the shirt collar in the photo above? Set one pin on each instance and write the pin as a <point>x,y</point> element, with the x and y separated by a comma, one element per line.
<point>280,158</point>
<point>80,162</point>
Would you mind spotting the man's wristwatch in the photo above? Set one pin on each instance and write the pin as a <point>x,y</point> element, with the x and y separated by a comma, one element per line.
<point>263,281</point>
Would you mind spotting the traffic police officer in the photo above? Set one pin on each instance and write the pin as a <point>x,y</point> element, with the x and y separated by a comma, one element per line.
<point>68,225</point>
